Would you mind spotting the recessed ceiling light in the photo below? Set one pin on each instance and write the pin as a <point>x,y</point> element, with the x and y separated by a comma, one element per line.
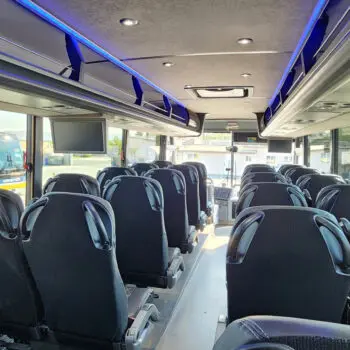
<point>246,75</point>
<point>129,22</point>
<point>188,86</point>
<point>168,64</point>
<point>244,41</point>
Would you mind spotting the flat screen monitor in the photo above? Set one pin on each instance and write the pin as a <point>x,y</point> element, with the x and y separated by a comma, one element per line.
<point>79,135</point>
<point>279,146</point>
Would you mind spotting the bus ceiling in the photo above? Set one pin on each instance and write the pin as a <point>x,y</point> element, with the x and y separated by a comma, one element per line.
<point>75,58</point>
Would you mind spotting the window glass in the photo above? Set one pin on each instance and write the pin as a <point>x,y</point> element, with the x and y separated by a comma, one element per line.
<point>13,134</point>
<point>344,153</point>
<point>142,147</point>
<point>89,164</point>
<point>320,151</point>
<point>212,150</point>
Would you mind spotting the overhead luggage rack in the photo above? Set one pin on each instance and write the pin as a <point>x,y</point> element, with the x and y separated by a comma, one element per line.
<point>318,69</point>
<point>76,76</point>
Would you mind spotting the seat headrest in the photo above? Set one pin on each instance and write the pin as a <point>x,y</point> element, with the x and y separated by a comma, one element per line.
<point>190,172</point>
<point>306,225</point>
<point>169,176</point>
<point>142,168</point>
<point>107,174</point>
<point>74,183</point>
<point>11,209</point>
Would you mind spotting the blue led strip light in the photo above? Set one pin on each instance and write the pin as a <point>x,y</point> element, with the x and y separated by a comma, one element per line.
<point>28,4</point>
<point>313,19</point>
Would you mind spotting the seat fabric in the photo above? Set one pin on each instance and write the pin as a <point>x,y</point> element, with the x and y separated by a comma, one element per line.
<point>107,174</point>
<point>142,168</point>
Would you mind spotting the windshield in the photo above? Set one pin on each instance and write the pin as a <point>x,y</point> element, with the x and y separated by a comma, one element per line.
<point>11,156</point>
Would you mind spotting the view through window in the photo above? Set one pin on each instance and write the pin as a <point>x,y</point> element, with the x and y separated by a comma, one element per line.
<point>320,151</point>
<point>344,153</point>
<point>13,134</point>
<point>89,164</point>
<point>142,147</point>
<point>212,150</point>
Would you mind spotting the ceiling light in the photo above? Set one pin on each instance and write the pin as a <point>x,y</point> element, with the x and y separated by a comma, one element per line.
<point>168,64</point>
<point>129,22</point>
<point>246,75</point>
<point>244,41</point>
<point>188,86</point>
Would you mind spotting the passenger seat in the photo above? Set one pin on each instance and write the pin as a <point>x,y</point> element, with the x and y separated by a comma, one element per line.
<point>73,183</point>
<point>107,174</point>
<point>180,234</point>
<point>258,169</point>
<point>289,261</point>
<point>270,193</point>
<point>262,177</point>
<point>312,184</point>
<point>21,310</point>
<point>292,175</point>
<point>285,167</point>
<point>190,174</point>
<point>142,168</point>
<point>162,163</point>
<point>69,242</point>
<point>141,241</point>
<point>283,333</point>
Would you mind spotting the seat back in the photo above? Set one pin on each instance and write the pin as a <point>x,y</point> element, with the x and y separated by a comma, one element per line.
<point>335,199</point>
<point>285,167</point>
<point>312,184</point>
<point>20,305</point>
<point>175,207</point>
<point>142,168</point>
<point>258,169</point>
<point>262,177</point>
<point>141,240</point>
<point>190,174</point>
<point>292,175</point>
<point>283,333</point>
<point>69,243</point>
<point>73,183</point>
<point>287,261</point>
<point>202,177</point>
<point>162,163</point>
<point>270,193</point>
<point>107,174</point>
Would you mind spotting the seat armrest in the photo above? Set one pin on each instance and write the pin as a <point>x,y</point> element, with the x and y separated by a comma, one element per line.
<point>175,269</point>
<point>135,333</point>
<point>345,225</point>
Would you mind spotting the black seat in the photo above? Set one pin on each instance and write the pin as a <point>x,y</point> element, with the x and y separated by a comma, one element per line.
<point>107,174</point>
<point>292,175</point>
<point>285,167</point>
<point>270,193</point>
<point>142,246</point>
<point>312,184</point>
<point>259,168</point>
<point>335,199</point>
<point>73,183</point>
<point>20,306</point>
<point>192,192</point>
<point>142,168</point>
<point>163,163</point>
<point>68,240</point>
<point>180,234</point>
<point>287,261</point>
<point>283,333</point>
<point>262,177</point>
<point>203,195</point>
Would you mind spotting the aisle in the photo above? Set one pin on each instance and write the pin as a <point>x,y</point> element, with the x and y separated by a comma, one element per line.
<point>194,321</point>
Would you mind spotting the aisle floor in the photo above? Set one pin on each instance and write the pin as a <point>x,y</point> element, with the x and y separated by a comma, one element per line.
<point>195,319</point>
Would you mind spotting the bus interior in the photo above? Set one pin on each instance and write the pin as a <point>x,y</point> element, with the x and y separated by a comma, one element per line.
<point>174,174</point>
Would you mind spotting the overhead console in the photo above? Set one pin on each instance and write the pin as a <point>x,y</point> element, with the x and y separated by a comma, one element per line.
<point>49,69</point>
<point>315,92</point>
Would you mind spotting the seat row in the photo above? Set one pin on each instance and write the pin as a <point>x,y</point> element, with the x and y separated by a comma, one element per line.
<point>285,258</point>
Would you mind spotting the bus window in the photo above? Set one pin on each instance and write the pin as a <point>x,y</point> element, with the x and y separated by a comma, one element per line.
<point>344,153</point>
<point>89,164</point>
<point>320,151</point>
<point>13,128</point>
<point>141,148</point>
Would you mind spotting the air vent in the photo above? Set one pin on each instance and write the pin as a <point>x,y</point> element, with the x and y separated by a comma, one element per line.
<point>220,91</point>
